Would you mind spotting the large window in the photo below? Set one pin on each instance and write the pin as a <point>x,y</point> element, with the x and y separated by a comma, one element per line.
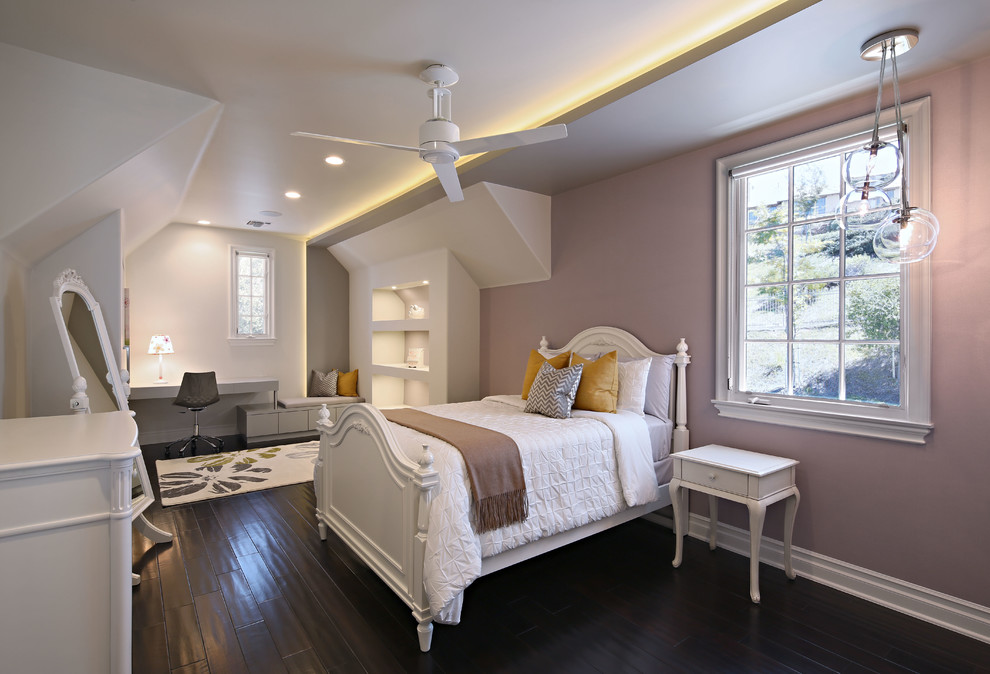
<point>251,294</point>
<point>815,330</point>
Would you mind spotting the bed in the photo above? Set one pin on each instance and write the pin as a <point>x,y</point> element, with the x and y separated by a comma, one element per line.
<point>396,496</point>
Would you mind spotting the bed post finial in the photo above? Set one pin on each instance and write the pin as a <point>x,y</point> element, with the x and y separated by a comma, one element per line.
<point>324,414</point>
<point>680,433</point>
<point>544,344</point>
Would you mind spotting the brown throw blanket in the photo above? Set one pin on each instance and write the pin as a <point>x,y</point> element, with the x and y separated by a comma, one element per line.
<point>493,465</point>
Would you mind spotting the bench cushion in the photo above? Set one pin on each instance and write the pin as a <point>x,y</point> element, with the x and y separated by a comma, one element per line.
<point>290,403</point>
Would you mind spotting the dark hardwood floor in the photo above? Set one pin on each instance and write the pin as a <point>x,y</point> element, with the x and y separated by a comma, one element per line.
<point>247,586</point>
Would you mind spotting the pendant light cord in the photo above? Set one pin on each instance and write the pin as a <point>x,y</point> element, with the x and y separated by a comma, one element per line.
<point>905,206</point>
<point>876,115</point>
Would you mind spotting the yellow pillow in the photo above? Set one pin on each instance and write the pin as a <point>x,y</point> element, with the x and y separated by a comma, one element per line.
<point>599,387</point>
<point>536,359</point>
<point>347,384</point>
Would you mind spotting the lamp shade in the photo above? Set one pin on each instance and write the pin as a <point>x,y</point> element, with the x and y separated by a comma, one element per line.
<point>160,344</point>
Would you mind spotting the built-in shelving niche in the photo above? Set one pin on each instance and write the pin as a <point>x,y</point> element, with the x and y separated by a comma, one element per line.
<point>400,345</point>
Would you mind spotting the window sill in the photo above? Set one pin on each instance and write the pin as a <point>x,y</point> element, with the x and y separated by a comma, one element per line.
<point>250,341</point>
<point>870,427</point>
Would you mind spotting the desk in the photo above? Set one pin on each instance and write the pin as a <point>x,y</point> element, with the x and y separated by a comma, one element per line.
<point>226,387</point>
<point>756,480</point>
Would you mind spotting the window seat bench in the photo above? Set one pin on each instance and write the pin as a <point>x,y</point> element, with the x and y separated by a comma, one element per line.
<point>293,419</point>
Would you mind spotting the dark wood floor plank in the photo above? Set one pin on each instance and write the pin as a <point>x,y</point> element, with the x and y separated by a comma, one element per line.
<point>199,667</point>
<point>146,605</point>
<point>210,527</point>
<point>259,578</point>
<point>184,518</point>
<point>284,626</point>
<point>201,576</point>
<point>242,545</point>
<point>305,662</point>
<point>223,650</point>
<point>185,641</point>
<point>329,645</point>
<point>240,601</point>
<point>149,650</point>
<point>193,544</point>
<point>222,556</point>
<point>269,549</point>
<point>228,518</point>
<point>584,608</point>
<point>259,649</point>
<point>175,586</point>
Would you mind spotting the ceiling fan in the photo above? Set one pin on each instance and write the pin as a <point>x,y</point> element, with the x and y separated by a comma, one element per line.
<point>439,138</point>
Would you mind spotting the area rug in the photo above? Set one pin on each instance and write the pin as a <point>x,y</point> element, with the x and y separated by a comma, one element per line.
<point>198,478</point>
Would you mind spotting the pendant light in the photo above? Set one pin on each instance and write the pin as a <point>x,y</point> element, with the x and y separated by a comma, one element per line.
<point>904,234</point>
<point>867,171</point>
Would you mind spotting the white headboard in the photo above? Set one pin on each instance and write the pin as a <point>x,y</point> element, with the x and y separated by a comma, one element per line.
<point>605,338</point>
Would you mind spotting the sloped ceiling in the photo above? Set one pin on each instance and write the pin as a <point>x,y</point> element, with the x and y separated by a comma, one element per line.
<point>84,139</point>
<point>499,234</point>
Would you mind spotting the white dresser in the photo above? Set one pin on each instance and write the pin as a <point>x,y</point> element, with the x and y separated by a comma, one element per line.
<point>68,493</point>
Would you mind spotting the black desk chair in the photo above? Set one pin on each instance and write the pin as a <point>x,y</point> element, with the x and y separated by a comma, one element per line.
<point>197,391</point>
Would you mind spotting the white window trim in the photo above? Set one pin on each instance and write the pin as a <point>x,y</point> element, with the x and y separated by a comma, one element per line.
<point>250,340</point>
<point>910,422</point>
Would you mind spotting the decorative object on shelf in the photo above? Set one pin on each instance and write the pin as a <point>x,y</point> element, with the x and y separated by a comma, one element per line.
<point>414,357</point>
<point>416,311</point>
<point>159,346</point>
<point>904,234</point>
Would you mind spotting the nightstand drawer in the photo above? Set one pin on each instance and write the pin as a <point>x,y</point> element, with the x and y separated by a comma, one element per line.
<point>716,478</point>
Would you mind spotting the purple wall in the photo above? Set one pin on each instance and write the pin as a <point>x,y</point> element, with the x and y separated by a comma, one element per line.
<point>637,251</point>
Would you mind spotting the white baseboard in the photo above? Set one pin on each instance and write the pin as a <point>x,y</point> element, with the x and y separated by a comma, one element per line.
<point>925,604</point>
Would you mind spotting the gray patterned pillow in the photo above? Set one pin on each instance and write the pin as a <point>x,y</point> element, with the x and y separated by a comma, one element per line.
<point>553,391</point>
<point>323,385</point>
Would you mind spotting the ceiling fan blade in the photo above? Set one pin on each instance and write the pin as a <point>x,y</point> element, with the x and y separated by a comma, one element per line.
<point>447,174</point>
<point>504,141</point>
<point>353,141</point>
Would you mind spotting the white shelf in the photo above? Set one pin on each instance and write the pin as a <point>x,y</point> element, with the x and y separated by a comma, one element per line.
<point>401,370</point>
<point>403,325</point>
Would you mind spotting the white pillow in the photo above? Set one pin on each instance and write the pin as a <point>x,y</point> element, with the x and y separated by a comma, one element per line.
<point>658,386</point>
<point>633,376</point>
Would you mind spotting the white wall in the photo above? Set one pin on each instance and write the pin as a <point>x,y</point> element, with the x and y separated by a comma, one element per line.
<point>95,255</point>
<point>327,339</point>
<point>179,285</point>
<point>13,337</point>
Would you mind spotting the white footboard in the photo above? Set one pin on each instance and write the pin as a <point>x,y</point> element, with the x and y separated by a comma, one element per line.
<point>377,500</point>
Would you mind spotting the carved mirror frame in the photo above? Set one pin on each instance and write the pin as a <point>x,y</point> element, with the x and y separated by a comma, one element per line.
<point>69,281</point>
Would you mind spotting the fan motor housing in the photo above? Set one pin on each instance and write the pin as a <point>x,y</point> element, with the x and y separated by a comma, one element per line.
<point>438,130</point>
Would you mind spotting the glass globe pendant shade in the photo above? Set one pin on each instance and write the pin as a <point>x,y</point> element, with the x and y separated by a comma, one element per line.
<point>878,164</point>
<point>863,208</point>
<point>906,236</point>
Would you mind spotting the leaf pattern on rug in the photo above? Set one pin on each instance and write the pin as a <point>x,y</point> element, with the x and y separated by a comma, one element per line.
<point>229,472</point>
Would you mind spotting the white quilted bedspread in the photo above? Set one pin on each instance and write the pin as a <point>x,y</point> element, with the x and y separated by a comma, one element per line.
<point>577,470</point>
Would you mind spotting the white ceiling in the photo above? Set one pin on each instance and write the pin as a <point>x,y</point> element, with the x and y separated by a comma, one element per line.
<point>688,73</point>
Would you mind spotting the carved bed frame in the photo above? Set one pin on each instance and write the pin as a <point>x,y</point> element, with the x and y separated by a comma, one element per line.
<point>378,501</point>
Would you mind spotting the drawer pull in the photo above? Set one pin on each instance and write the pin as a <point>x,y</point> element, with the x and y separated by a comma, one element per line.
<point>711,476</point>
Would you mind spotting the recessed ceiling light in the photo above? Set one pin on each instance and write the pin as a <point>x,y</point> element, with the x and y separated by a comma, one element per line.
<point>203,222</point>
<point>293,195</point>
<point>334,160</point>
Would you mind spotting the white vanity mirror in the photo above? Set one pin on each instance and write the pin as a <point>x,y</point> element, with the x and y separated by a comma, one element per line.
<point>97,383</point>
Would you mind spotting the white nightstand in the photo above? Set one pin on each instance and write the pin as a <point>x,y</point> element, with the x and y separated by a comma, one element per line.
<point>756,480</point>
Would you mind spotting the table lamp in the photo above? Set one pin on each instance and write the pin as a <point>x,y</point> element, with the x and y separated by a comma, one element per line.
<point>160,345</point>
